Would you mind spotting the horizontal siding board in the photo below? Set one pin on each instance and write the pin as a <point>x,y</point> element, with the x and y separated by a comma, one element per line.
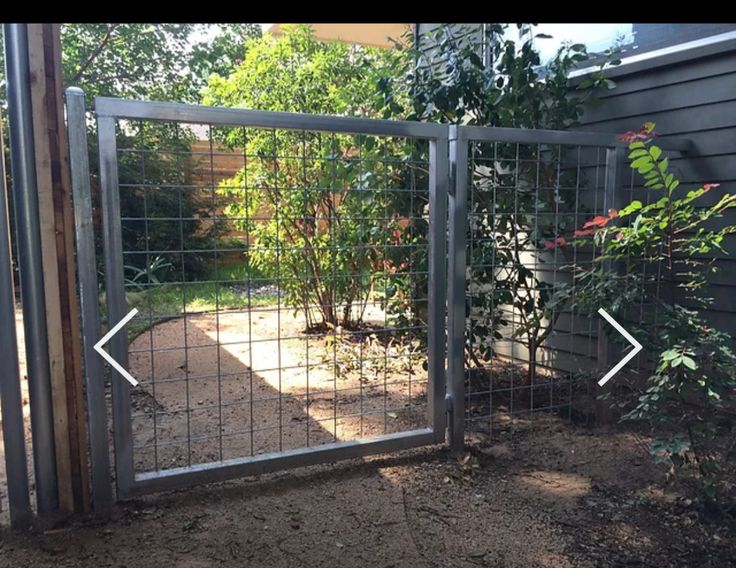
<point>677,121</point>
<point>661,99</point>
<point>712,197</point>
<point>713,66</point>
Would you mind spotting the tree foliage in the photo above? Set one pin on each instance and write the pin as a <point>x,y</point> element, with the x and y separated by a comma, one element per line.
<point>324,219</point>
<point>169,62</point>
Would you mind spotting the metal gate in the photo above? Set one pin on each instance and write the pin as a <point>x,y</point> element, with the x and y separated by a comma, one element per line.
<point>254,381</point>
<point>247,351</point>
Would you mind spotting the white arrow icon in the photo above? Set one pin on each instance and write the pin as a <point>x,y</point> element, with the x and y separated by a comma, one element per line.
<point>629,356</point>
<point>106,355</point>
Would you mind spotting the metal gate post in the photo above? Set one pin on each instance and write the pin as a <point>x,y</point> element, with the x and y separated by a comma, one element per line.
<point>16,469</point>
<point>456,288</point>
<point>89,300</point>
<point>116,303</point>
<point>28,235</point>
<point>439,178</point>
<point>611,199</point>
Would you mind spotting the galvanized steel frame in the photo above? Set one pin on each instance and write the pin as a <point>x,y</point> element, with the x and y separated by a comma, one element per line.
<point>130,484</point>
<point>448,186</point>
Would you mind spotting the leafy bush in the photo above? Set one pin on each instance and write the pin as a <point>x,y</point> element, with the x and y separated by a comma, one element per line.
<point>457,75</point>
<point>666,252</point>
<point>153,173</point>
<point>311,202</point>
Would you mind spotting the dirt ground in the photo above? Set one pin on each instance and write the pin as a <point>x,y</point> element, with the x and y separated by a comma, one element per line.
<point>557,496</point>
<point>550,495</point>
<point>270,386</point>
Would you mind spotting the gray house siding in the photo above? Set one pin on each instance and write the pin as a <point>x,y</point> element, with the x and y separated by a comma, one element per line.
<point>696,99</point>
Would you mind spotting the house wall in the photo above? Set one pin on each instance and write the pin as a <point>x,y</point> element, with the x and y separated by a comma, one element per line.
<point>691,96</point>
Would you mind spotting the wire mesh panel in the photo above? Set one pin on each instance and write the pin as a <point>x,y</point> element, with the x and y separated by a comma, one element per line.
<point>525,343</point>
<point>288,272</point>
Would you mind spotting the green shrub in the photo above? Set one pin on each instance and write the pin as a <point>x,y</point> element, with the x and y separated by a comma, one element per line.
<point>447,78</point>
<point>323,213</point>
<point>666,253</point>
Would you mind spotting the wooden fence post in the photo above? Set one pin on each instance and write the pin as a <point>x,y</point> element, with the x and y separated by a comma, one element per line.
<point>57,237</point>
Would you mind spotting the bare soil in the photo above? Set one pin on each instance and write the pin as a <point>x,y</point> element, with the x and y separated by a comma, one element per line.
<point>551,496</point>
<point>543,493</point>
<point>235,384</point>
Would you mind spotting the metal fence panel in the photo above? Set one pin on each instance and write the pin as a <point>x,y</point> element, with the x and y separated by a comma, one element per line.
<point>513,352</point>
<point>226,229</point>
<point>237,374</point>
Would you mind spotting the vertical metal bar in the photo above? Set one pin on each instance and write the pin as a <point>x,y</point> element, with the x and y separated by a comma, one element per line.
<point>439,178</point>
<point>610,186</point>
<point>609,198</point>
<point>456,287</point>
<point>28,233</point>
<point>116,303</point>
<point>11,400</point>
<point>89,299</point>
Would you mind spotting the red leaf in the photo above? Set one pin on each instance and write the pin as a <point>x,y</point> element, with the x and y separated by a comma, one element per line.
<point>598,221</point>
<point>708,186</point>
<point>646,132</point>
<point>584,232</point>
<point>558,242</point>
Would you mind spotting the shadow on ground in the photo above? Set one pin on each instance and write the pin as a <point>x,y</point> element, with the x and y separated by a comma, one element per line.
<point>556,496</point>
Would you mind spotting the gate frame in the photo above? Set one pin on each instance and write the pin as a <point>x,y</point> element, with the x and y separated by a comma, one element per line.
<point>129,484</point>
<point>448,219</point>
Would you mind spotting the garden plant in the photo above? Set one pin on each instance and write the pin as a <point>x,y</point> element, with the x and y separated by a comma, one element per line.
<point>661,253</point>
<point>492,79</point>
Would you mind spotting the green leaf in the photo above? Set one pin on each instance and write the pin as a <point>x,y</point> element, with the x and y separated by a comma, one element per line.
<point>641,162</point>
<point>669,355</point>
<point>630,208</point>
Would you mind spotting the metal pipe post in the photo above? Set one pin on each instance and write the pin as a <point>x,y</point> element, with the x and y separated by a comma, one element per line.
<point>456,288</point>
<point>28,234</point>
<point>10,395</point>
<point>87,272</point>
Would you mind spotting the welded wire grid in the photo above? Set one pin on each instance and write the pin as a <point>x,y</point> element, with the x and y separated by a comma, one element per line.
<point>281,278</point>
<point>529,351</point>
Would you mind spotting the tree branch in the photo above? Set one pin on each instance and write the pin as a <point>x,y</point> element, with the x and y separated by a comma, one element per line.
<point>95,52</point>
